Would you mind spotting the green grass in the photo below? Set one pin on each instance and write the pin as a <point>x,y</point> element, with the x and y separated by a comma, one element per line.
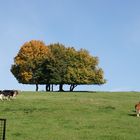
<point>71,116</point>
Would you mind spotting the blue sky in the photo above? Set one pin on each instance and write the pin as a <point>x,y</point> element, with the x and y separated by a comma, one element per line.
<point>109,29</point>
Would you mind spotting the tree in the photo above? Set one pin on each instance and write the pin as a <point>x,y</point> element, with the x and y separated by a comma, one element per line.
<point>83,69</point>
<point>68,66</point>
<point>27,67</point>
<point>56,64</point>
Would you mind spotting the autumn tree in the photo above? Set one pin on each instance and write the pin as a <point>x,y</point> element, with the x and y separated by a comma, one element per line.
<point>27,67</point>
<point>83,69</point>
<point>56,64</point>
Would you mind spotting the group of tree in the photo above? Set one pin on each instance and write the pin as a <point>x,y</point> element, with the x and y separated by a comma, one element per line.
<point>40,64</point>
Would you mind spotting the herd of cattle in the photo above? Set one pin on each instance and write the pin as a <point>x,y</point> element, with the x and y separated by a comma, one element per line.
<point>8,94</point>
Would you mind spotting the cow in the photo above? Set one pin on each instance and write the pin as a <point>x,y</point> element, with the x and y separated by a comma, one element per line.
<point>8,94</point>
<point>137,108</point>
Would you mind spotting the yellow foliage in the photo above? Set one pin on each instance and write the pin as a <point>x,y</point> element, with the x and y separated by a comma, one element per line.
<point>26,76</point>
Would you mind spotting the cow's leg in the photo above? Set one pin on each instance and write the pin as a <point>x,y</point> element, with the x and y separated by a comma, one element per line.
<point>138,113</point>
<point>8,98</point>
<point>1,97</point>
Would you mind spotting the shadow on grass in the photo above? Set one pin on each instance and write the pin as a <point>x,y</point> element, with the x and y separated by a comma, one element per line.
<point>79,91</point>
<point>132,114</point>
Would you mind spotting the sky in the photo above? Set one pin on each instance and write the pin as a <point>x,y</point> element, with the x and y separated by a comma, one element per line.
<point>108,29</point>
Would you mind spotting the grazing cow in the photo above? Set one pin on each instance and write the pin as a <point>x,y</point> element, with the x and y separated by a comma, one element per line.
<point>8,94</point>
<point>137,108</point>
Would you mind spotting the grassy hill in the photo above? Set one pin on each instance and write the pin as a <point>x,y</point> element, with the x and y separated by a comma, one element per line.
<point>71,116</point>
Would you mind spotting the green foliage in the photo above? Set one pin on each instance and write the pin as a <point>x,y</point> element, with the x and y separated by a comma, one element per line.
<point>57,63</point>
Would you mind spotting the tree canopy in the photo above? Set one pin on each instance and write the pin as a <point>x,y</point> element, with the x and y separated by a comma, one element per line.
<point>37,63</point>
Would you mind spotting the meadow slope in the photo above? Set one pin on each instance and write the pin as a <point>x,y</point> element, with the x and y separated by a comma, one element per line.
<point>72,116</point>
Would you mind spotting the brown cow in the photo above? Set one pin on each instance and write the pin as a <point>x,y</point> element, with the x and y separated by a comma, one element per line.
<point>137,108</point>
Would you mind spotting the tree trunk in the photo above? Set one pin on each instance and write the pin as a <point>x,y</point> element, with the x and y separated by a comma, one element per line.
<point>36,87</point>
<point>72,86</point>
<point>47,87</point>
<point>61,87</point>
<point>52,87</point>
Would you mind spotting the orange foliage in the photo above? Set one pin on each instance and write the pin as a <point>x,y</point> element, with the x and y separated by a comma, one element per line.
<point>31,51</point>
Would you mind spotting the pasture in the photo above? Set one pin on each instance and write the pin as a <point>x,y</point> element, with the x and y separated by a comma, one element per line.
<point>72,116</point>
